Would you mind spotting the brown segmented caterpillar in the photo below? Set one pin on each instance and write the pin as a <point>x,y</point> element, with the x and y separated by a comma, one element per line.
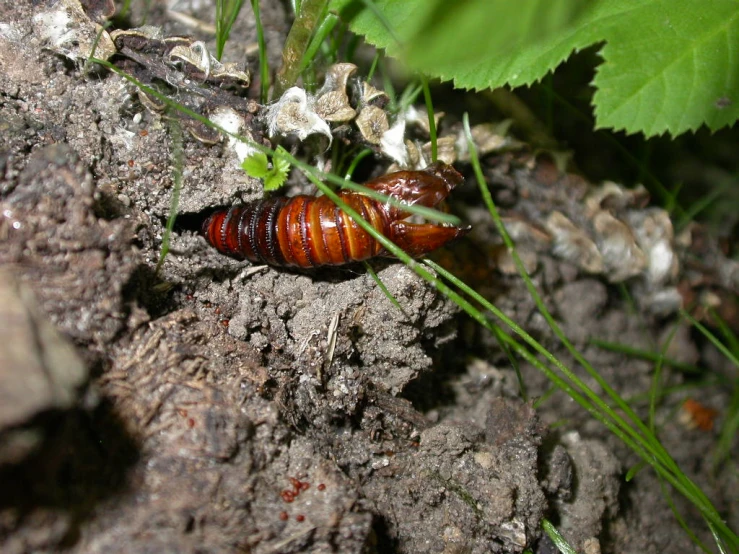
<point>310,231</point>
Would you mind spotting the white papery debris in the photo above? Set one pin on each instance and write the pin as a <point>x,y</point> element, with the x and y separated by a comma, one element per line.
<point>392,143</point>
<point>66,29</point>
<point>229,120</point>
<point>294,114</point>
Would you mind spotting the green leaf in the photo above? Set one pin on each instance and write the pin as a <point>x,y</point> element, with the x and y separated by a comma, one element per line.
<point>476,43</point>
<point>279,172</point>
<point>539,28</point>
<point>669,65</point>
<point>256,165</point>
<point>274,180</point>
<point>281,164</point>
<point>387,23</point>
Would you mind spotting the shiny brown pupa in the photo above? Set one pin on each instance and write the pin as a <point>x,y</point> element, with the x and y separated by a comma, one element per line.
<point>310,231</point>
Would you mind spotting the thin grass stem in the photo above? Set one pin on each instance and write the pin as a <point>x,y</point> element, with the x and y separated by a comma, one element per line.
<point>383,288</point>
<point>731,338</point>
<point>487,198</point>
<point>559,541</point>
<point>680,521</point>
<point>654,389</point>
<point>432,119</point>
<point>178,163</point>
<point>642,432</point>
<point>263,62</point>
<point>645,355</point>
<point>297,42</point>
<point>591,402</point>
<point>355,162</point>
<point>373,67</point>
<point>324,29</point>
<point>712,338</point>
<point>226,13</point>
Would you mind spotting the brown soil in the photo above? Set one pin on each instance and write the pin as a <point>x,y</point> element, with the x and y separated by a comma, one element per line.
<point>200,410</point>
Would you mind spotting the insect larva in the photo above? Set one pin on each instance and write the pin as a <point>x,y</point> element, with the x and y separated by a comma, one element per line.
<point>310,231</point>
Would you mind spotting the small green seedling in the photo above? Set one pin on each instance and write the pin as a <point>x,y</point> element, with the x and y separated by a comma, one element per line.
<point>273,174</point>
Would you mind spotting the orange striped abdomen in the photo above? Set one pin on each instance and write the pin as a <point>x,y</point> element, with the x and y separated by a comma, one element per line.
<point>302,231</point>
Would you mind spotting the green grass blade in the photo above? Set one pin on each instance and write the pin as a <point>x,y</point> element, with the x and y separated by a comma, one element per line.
<point>681,522</point>
<point>593,404</point>
<point>685,387</point>
<point>432,120</point>
<point>559,541</point>
<point>306,21</point>
<point>734,359</point>
<point>323,30</point>
<point>645,355</point>
<point>494,329</point>
<point>178,159</point>
<point>544,397</point>
<point>731,338</point>
<point>729,430</point>
<point>95,42</point>
<point>384,289</point>
<point>634,470</point>
<point>355,162</point>
<point>226,13</point>
<point>654,389</point>
<point>701,204</point>
<point>408,97</point>
<point>513,361</point>
<point>373,67</point>
<point>487,197</point>
<point>263,62</point>
<point>641,434</point>
<point>124,9</point>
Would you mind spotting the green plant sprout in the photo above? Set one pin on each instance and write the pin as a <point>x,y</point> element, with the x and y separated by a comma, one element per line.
<point>257,165</point>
